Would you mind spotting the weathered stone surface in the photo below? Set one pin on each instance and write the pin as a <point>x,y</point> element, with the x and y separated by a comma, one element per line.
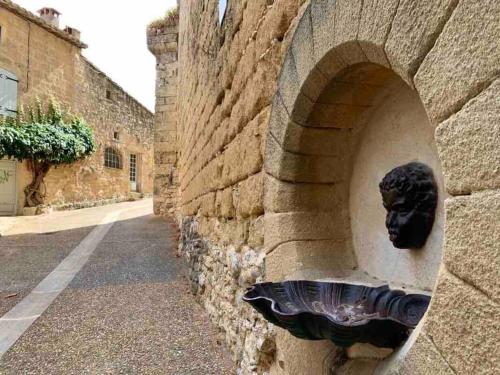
<point>56,68</point>
<point>291,354</point>
<point>462,322</point>
<point>219,276</point>
<point>297,167</point>
<point>302,48</point>
<point>298,104</point>
<point>224,203</point>
<point>293,226</point>
<point>367,351</point>
<point>358,366</point>
<point>465,58</point>
<point>414,31</point>
<point>374,27</point>
<point>319,257</point>
<point>227,79</point>
<point>250,196</point>
<point>345,32</point>
<point>421,359</point>
<point>468,144</point>
<point>281,196</point>
<point>472,245</point>
<point>162,42</point>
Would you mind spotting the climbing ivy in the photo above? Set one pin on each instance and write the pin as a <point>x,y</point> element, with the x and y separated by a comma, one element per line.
<point>44,138</point>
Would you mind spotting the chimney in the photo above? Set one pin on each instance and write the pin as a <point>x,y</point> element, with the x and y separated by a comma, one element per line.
<point>50,15</point>
<point>72,31</point>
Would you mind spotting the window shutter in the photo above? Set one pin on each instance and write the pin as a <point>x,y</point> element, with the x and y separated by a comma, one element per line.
<point>8,93</point>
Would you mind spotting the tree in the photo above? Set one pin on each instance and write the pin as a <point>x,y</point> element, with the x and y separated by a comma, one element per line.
<point>45,139</point>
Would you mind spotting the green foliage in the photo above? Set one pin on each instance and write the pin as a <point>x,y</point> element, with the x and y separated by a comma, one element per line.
<point>46,136</point>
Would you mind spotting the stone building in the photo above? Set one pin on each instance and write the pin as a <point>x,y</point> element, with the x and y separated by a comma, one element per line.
<point>287,115</point>
<point>39,60</point>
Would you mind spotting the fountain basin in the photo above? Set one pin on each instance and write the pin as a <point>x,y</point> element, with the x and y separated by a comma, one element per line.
<point>340,312</point>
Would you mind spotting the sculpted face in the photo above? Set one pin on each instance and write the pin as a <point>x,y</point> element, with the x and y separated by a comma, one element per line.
<point>409,195</point>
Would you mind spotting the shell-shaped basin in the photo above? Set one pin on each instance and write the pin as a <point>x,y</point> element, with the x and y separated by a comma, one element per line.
<point>343,313</point>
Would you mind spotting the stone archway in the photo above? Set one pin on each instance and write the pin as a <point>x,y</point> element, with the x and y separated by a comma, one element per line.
<point>353,51</point>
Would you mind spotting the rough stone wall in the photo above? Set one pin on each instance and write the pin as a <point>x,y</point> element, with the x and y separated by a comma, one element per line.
<point>227,78</point>
<point>162,42</point>
<point>47,64</point>
<point>447,51</point>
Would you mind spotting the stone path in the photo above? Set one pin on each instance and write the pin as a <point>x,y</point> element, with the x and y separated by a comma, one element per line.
<point>127,311</point>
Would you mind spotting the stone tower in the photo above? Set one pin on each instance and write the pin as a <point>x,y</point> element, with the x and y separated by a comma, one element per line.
<point>162,42</point>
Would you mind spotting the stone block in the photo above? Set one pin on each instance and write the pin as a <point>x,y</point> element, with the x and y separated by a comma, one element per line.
<point>375,24</point>
<point>311,80</point>
<point>357,366</point>
<point>469,144</point>
<point>323,23</point>
<point>472,245</point>
<point>295,167</point>
<point>256,232</point>
<point>335,28</point>
<point>418,356</point>
<point>304,139</point>
<point>279,120</point>
<point>340,116</point>
<point>224,203</point>
<point>282,196</point>
<point>207,204</point>
<point>294,226</point>
<point>296,356</point>
<point>322,258</point>
<point>298,105</point>
<point>465,58</point>
<point>345,32</point>
<point>367,351</point>
<point>414,30</point>
<point>242,156</point>
<point>464,323</point>
<point>250,196</point>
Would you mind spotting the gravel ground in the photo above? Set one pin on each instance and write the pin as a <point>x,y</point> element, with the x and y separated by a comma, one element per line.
<point>26,260</point>
<point>128,311</point>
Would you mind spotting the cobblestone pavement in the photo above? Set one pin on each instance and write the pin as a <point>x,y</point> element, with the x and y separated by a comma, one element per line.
<point>128,310</point>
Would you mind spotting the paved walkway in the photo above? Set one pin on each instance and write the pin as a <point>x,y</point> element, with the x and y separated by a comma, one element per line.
<point>126,308</point>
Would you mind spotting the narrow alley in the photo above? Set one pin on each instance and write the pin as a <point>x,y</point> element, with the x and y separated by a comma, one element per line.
<point>126,307</point>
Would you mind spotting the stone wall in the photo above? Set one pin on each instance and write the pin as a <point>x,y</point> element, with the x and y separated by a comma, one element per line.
<point>242,222</point>
<point>162,42</point>
<point>227,77</point>
<point>48,63</point>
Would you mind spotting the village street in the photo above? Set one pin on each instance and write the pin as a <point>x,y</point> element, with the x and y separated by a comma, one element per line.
<point>100,290</point>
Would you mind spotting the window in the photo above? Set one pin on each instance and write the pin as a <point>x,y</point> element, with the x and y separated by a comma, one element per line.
<point>8,93</point>
<point>112,158</point>
<point>108,94</point>
<point>222,10</point>
<point>116,136</point>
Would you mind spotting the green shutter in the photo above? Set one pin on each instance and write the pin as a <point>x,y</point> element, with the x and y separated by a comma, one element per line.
<point>8,93</point>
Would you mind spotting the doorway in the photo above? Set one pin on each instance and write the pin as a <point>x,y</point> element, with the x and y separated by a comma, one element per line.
<point>7,187</point>
<point>133,172</point>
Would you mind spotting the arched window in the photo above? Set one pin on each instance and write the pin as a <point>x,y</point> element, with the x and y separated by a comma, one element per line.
<point>112,158</point>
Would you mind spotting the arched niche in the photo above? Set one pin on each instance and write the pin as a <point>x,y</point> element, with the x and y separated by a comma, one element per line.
<point>446,54</point>
<point>339,123</point>
<point>323,206</point>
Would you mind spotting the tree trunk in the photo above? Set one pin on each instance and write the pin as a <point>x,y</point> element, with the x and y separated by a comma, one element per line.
<point>35,192</point>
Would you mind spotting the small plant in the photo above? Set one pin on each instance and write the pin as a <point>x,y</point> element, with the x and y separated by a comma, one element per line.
<point>44,138</point>
<point>171,17</point>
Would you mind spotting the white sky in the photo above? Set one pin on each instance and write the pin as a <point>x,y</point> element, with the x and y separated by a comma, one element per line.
<point>115,31</point>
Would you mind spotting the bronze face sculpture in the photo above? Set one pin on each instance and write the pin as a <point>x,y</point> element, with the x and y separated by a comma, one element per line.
<point>409,194</point>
